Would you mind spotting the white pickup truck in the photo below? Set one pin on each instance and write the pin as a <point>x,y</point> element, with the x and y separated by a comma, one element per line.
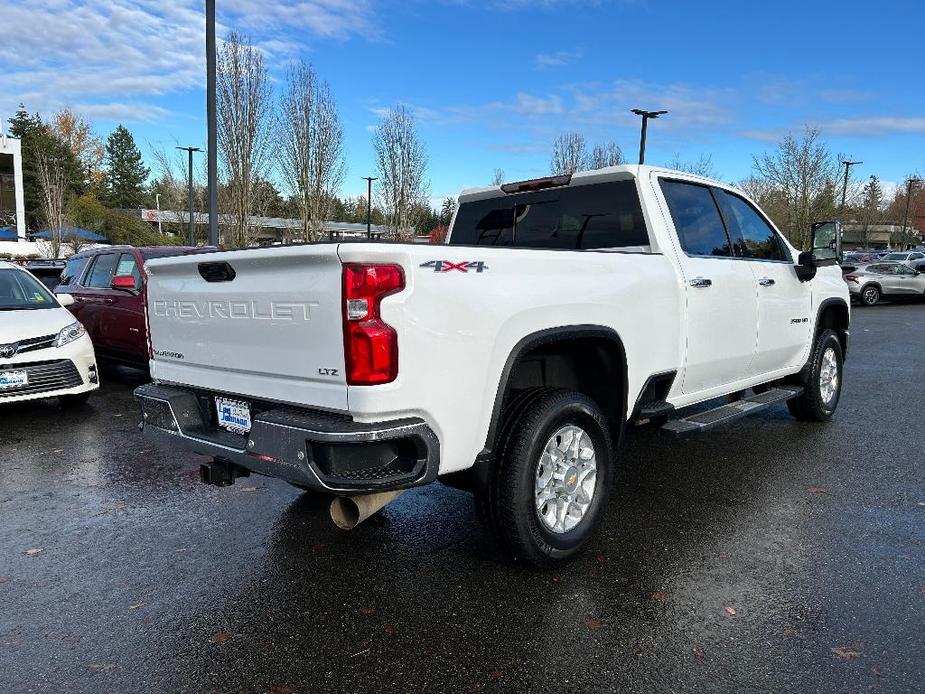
<point>509,361</point>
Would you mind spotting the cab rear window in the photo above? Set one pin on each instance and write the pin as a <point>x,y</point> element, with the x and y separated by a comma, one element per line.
<point>603,215</point>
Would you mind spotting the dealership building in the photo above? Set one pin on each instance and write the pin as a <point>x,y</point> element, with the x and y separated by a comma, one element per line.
<point>12,204</point>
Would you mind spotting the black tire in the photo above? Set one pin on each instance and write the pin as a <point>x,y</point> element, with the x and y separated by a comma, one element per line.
<point>512,504</point>
<point>812,406</point>
<point>870,295</point>
<point>73,402</point>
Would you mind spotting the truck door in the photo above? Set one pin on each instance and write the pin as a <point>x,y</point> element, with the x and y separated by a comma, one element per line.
<point>721,296</point>
<point>785,323</point>
<point>122,320</point>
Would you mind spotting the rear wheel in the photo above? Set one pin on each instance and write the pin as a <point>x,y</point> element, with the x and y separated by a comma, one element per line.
<point>870,295</point>
<point>822,381</point>
<point>552,481</point>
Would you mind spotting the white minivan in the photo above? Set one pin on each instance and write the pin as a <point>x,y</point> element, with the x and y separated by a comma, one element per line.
<point>44,352</point>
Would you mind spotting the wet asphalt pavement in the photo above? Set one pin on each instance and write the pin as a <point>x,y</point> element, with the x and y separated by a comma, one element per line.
<point>767,556</point>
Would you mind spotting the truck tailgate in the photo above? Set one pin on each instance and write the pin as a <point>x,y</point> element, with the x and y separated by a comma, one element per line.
<point>270,328</point>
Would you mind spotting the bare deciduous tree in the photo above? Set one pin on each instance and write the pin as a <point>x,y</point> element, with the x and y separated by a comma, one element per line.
<point>569,154</point>
<point>313,147</point>
<point>53,184</point>
<point>604,155</point>
<point>803,173</point>
<point>245,129</point>
<point>702,166</point>
<point>401,161</point>
<point>498,178</point>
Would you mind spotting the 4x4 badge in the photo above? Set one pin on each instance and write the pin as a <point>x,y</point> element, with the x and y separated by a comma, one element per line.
<point>462,266</point>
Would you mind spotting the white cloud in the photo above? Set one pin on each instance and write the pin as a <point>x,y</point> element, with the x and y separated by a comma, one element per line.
<point>113,56</point>
<point>557,58</point>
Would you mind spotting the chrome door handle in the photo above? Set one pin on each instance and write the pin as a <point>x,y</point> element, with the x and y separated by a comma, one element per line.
<point>701,282</point>
<point>765,281</point>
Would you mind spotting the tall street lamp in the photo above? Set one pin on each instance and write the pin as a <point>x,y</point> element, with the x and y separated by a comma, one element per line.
<point>908,200</point>
<point>844,188</point>
<point>646,115</point>
<point>189,180</point>
<point>369,204</point>
<point>213,127</point>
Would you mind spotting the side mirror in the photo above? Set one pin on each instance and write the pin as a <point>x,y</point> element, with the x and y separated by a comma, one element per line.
<point>806,266</point>
<point>65,299</point>
<point>124,282</point>
<point>826,243</point>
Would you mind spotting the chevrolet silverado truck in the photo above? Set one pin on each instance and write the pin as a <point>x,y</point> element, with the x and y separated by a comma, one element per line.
<point>510,361</point>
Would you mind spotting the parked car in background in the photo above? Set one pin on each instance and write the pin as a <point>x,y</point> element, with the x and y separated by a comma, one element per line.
<point>108,285</point>
<point>904,256</point>
<point>48,272</point>
<point>44,352</point>
<point>869,283</point>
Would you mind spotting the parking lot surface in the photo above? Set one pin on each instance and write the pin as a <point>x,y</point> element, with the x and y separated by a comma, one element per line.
<point>771,555</point>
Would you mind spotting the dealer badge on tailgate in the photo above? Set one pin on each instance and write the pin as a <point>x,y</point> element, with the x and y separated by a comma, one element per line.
<point>233,415</point>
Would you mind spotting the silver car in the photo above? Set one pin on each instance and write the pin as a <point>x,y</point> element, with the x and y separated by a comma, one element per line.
<point>869,283</point>
<point>907,257</point>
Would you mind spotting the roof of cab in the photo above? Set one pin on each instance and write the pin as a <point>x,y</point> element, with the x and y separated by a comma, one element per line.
<point>610,173</point>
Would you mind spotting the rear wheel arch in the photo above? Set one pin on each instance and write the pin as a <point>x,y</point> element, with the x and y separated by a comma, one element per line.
<point>564,357</point>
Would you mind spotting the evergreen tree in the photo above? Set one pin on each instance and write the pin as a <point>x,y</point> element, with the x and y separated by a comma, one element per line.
<point>447,210</point>
<point>125,171</point>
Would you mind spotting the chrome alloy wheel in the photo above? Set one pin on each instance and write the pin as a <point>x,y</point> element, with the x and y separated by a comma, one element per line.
<point>871,295</point>
<point>566,479</point>
<point>828,376</point>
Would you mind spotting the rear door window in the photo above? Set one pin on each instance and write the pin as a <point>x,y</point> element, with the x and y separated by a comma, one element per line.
<point>73,269</point>
<point>102,271</point>
<point>696,219</point>
<point>753,236</point>
<point>602,215</point>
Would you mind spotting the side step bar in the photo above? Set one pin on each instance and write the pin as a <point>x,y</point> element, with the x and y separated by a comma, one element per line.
<point>701,421</point>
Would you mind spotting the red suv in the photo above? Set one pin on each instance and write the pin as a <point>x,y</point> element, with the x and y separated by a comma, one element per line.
<point>108,286</point>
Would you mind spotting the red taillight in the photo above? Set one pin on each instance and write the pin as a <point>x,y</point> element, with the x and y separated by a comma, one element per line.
<point>851,278</point>
<point>370,345</point>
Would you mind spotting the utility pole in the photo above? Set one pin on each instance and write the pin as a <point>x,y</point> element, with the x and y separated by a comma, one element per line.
<point>908,200</point>
<point>189,181</point>
<point>212,122</point>
<point>646,115</point>
<point>157,203</point>
<point>844,188</point>
<point>369,204</point>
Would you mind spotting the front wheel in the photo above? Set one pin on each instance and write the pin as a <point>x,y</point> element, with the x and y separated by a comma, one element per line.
<point>822,381</point>
<point>870,296</point>
<point>554,477</point>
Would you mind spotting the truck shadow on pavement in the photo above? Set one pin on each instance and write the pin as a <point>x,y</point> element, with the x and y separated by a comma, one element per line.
<point>693,529</point>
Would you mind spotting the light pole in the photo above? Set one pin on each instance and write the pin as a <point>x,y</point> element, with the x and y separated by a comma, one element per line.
<point>646,115</point>
<point>189,180</point>
<point>908,200</point>
<point>844,188</point>
<point>157,202</point>
<point>211,117</point>
<point>369,204</point>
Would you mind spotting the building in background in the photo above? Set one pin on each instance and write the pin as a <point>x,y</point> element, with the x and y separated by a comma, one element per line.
<point>12,203</point>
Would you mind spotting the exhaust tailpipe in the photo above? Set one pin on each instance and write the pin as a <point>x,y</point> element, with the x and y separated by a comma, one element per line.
<point>348,512</point>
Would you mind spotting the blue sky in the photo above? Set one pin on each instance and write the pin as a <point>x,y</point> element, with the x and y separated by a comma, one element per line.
<point>492,83</point>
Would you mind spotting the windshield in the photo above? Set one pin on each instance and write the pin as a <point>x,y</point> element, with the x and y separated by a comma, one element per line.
<point>20,291</point>
<point>895,256</point>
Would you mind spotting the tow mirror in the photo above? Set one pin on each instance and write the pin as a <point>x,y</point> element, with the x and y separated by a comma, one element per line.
<point>826,243</point>
<point>124,282</point>
<point>825,249</point>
